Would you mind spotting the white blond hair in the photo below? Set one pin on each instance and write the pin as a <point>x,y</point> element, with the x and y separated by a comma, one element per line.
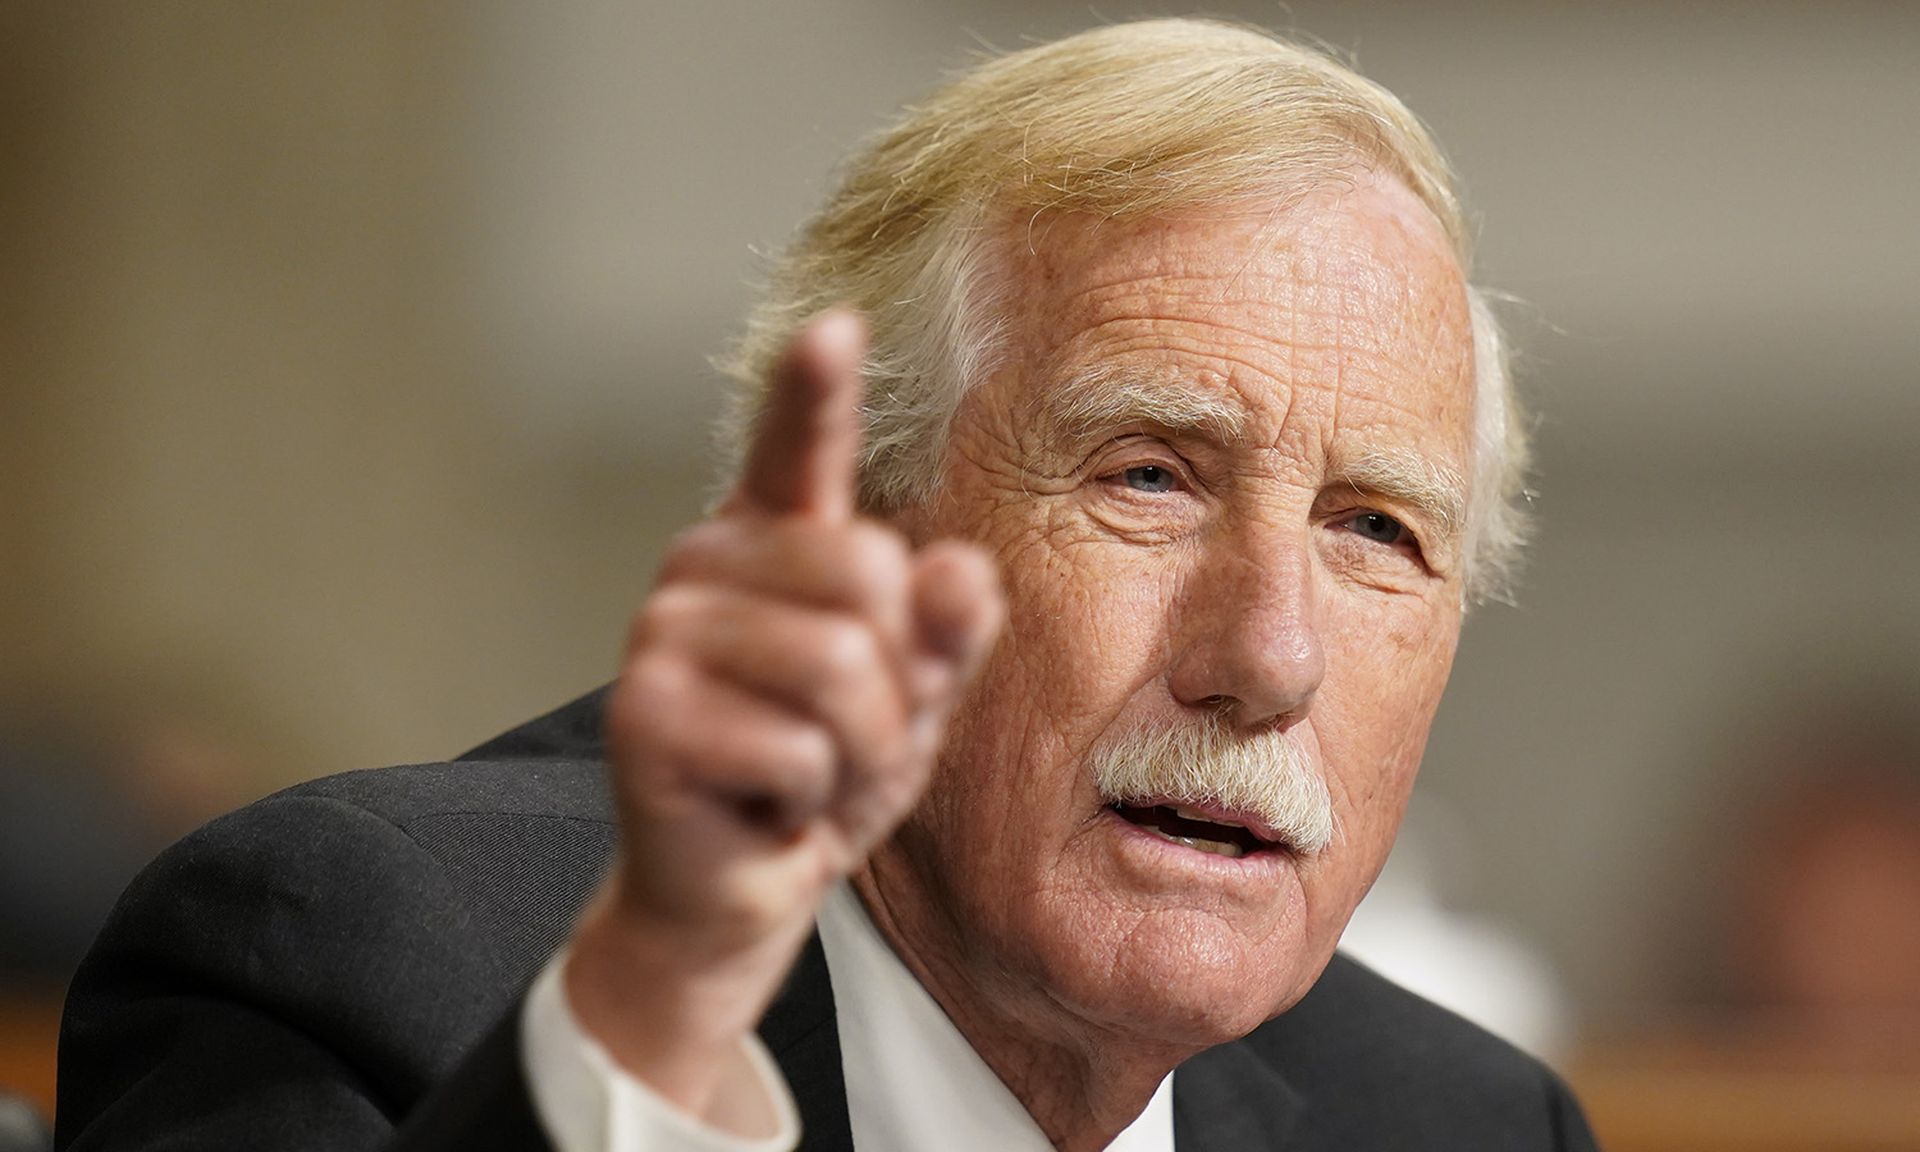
<point>1126,121</point>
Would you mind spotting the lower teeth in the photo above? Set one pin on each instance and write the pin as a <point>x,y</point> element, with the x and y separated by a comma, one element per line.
<point>1217,847</point>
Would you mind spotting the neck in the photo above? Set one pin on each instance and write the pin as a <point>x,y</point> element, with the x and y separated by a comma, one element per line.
<point>1081,1084</point>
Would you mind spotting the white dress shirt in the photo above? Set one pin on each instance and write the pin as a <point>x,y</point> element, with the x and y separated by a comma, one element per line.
<point>914,1084</point>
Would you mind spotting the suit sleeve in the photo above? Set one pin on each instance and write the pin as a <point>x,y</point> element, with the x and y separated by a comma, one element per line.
<point>300,975</point>
<point>1570,1130</point>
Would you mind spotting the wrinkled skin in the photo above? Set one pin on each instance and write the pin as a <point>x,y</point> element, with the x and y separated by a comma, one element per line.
<point>1152,574</point>
<point>785,697</point>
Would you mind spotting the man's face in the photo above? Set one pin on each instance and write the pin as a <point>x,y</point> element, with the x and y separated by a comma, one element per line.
<point>1215,471</point>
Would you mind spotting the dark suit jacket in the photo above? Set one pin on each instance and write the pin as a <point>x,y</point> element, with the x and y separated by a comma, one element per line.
<point>340,967</point>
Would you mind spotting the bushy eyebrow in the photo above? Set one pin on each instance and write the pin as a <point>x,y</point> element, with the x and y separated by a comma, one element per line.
<point>1109,397</point>
<point>1433,490</point>
<point>1114,397</point>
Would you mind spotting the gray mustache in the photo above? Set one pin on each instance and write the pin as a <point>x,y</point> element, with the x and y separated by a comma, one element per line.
<point>1267,774</point>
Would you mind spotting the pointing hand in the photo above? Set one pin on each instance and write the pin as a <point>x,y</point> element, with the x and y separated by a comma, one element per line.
<point>784,692</point>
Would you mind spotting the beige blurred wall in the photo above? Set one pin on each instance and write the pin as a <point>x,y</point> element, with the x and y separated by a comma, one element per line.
<point>252,482</point>
<point>354,375</point>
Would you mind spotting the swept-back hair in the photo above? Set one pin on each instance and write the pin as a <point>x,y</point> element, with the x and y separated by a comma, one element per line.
<point>1126,121</point>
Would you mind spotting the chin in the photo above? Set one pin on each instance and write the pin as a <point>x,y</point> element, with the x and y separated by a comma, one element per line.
<point>1180,977</point>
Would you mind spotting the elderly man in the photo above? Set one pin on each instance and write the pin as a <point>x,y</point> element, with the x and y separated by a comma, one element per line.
<point>998,766</point>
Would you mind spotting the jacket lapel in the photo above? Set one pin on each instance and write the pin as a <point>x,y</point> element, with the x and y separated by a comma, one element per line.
<point>1228,1099</point>
<point>799,1030</point>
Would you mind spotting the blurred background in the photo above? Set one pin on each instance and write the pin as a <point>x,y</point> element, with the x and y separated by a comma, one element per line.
<point>353,373</point>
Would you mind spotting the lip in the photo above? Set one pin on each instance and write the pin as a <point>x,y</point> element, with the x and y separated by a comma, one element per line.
<point>1164,861</point>
<point>1219,814</point>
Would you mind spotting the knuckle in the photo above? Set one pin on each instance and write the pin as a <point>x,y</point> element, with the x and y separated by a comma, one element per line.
<point>664,614</point>
<point>878,549</point>
<point>651,694</point>
<point>876,560</point>
<point>814,755</point>
<point>847,653</point>
<point>696,550</point>
<point>854,563</point>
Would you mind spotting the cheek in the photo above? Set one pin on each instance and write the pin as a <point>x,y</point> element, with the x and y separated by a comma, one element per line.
<point>1087,622</point>
<point>1373,715</point>
<point>1371,726</point>
<point>1085,633</point>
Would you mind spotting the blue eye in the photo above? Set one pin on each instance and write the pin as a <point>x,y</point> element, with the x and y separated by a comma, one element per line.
<point>1379,527</point>
<point>1149,478</point>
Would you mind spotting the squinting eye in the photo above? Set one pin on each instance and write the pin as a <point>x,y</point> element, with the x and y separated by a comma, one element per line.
<point>1379,526</point>
<point>1149,478</point>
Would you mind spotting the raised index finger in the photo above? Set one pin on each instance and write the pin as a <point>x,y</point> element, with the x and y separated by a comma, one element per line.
<point>807,443</point>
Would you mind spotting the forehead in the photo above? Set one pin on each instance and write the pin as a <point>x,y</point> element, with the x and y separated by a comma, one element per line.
<point>1340,316</point>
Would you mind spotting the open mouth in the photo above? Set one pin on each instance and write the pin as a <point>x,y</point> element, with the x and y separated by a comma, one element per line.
<point>1192,829</point>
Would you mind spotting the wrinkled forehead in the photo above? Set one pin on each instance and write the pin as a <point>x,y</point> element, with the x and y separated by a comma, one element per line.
<point>1339,313</point>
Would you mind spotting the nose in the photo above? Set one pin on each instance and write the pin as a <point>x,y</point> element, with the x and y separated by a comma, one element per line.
<point>1248,638</point>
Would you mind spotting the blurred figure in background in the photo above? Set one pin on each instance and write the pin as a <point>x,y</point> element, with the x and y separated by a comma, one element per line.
<point>79,815</point>
<point>77,822</point>
<point>21,1130</point>
<point>70,839</point>
<point>1824,945</point>
<point>1803,1033</point>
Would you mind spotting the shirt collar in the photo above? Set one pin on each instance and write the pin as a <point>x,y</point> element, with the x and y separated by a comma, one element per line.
<point>913,1082</point>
